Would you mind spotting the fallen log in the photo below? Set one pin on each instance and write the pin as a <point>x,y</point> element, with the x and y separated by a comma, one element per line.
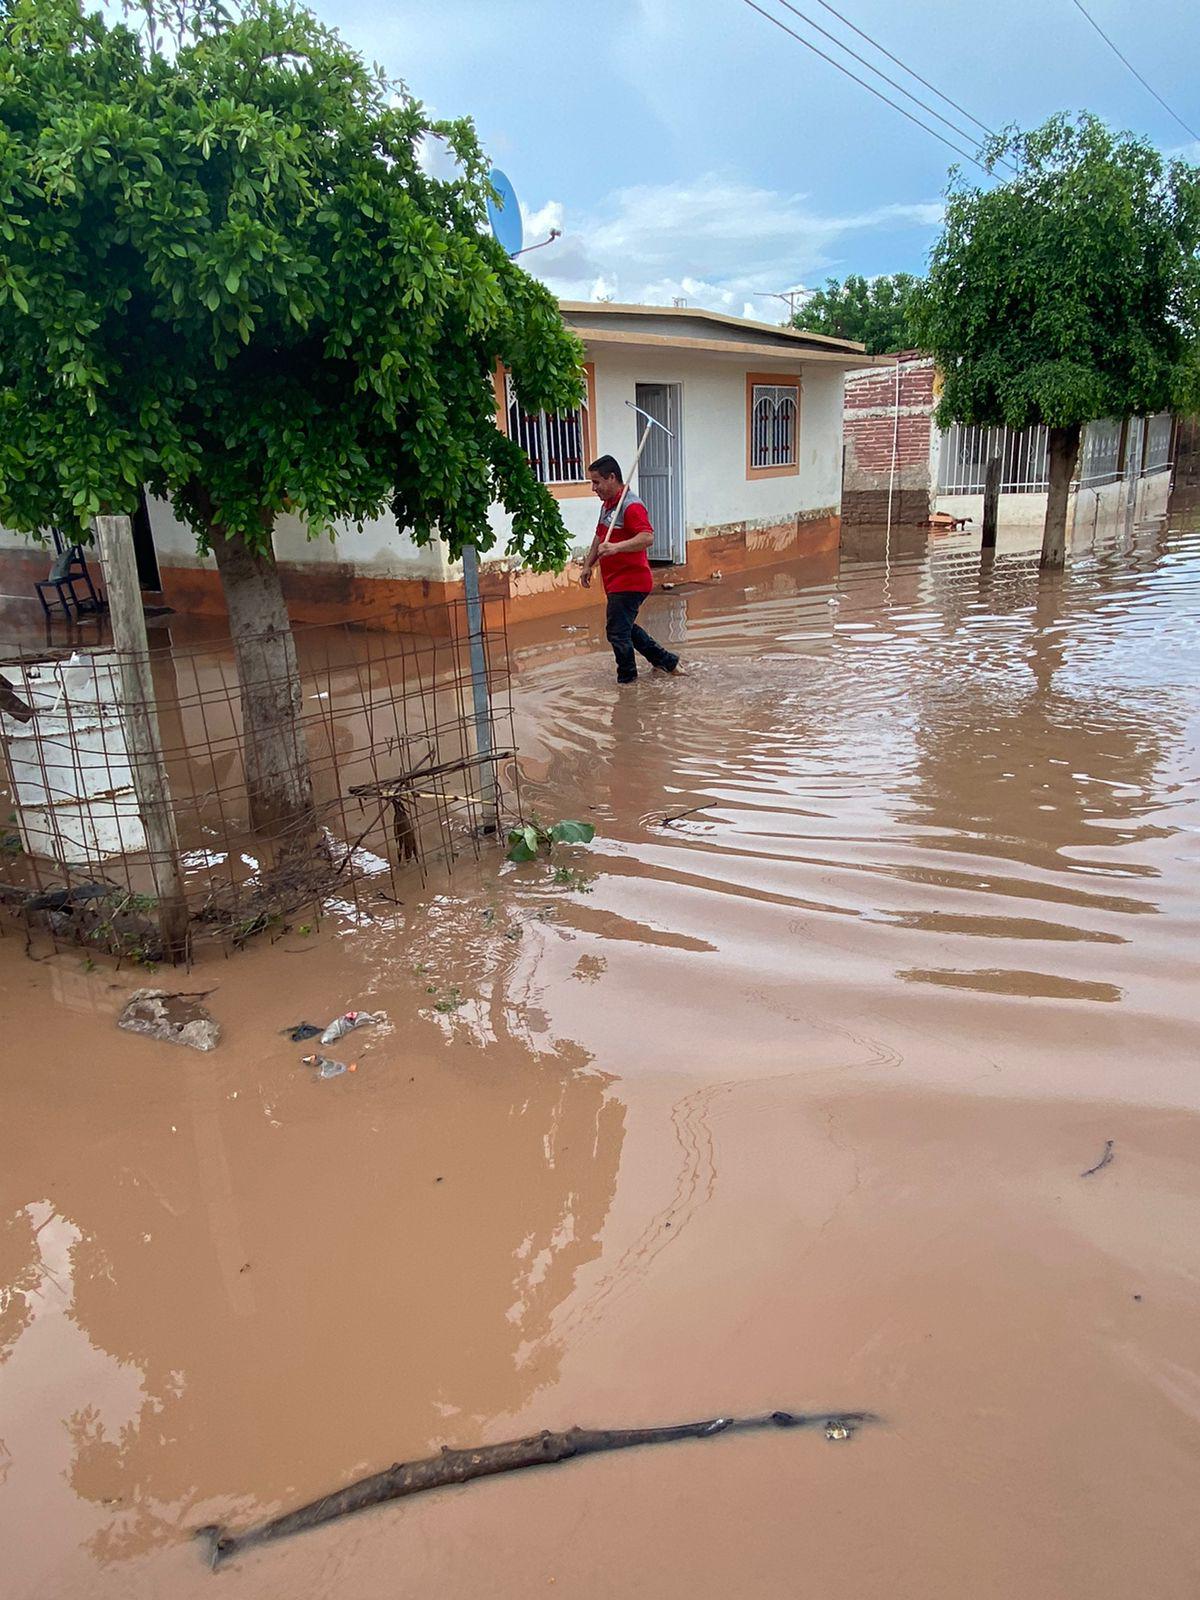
<point>461,1466</point>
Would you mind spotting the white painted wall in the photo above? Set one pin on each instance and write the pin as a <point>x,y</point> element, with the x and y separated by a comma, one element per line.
<point>716,489</point>
<point>21,541</point>
<point>1087,508</point>
<point>377,550</point>
<point>713,438</point>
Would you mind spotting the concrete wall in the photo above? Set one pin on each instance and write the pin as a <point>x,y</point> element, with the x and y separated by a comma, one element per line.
<point>377,550</point>
<point>1087,508</point>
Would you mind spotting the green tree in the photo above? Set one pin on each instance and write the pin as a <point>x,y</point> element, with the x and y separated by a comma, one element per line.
<point>1069,293</point>
<point>225,274</point>
<point>874,311</point>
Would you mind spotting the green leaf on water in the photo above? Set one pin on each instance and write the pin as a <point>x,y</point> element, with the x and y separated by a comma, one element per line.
<point>523,844</point>
<point>572,833</point>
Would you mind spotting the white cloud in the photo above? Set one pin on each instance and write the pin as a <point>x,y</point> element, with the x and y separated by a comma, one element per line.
<point>715,242</point>
<point>539,224</point>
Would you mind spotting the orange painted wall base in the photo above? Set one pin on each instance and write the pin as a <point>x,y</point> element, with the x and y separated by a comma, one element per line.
<point>333,591</point>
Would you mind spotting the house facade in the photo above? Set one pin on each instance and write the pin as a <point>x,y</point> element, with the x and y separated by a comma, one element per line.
<point>749,472</point>
<point>898,459</point>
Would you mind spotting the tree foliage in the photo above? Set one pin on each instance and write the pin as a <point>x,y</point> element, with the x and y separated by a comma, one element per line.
<point>1070,292</point>
<point>226,274</point>
<point>874,311</point>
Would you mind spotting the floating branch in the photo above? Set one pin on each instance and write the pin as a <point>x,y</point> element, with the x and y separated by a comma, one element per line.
<point>538,1450</point>
<point>1103,1161</point>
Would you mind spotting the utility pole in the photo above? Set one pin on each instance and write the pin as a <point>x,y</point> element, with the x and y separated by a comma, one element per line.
<point>114,537</point>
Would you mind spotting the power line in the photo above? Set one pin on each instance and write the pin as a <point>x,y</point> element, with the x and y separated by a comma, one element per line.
<point>1135,71</point>
<point>862,83</point>
<point>961,109</point>
<point>879,72</point>
<point>904,68</point>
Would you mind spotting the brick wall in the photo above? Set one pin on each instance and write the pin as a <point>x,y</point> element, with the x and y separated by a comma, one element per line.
<point>875,426</point>
<point>862,507</point>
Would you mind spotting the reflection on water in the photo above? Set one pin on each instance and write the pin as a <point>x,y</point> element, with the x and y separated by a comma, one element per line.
<point>241,1300</point>
<point>926,741</point>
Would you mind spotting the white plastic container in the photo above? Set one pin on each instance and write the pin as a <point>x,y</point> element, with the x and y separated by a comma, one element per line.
<point>70,767</point>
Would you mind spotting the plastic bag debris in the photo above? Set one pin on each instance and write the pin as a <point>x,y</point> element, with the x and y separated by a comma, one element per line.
<point>347,1023</point>
<point>326,1068</point>
<point>836,1430</point>
<point>302,1031</point>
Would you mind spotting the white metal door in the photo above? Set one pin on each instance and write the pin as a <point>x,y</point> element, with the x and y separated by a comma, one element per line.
<point>660,477</point>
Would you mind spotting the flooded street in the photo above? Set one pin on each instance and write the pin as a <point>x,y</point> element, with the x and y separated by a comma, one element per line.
<point>783,1104</point>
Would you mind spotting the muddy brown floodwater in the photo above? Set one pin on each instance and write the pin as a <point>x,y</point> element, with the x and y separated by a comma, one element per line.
<point>787,1106</point>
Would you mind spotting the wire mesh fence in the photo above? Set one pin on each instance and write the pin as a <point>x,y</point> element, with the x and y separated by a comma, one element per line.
<point>381,739</point>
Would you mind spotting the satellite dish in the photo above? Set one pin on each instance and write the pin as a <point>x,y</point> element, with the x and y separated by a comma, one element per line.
<point>505,218</point>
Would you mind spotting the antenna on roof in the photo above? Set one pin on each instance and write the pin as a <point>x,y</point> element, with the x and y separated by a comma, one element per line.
<point>794,298</point>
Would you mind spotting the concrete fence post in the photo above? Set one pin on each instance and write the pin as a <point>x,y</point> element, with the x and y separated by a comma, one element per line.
<point>991,503</point>
<point>114,536</point>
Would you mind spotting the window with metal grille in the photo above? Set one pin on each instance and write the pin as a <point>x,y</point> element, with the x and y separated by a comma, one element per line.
<point>556,442</point>
<point>774,408</point>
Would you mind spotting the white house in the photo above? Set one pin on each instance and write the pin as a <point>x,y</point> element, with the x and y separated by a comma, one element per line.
<point>751,474</point>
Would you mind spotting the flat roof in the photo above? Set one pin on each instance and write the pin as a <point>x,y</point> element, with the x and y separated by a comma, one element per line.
<point>711,329</point>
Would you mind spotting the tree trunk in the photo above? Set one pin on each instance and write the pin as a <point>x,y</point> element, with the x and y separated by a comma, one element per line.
<point>1063,453</point>
<point>278,780</point>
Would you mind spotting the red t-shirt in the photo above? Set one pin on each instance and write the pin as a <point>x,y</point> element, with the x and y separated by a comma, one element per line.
<point>629,572</point>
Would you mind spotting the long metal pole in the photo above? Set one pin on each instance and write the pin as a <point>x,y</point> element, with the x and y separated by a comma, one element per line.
<point>895,449</point>
<point>479,689</point>
<point>651,422</point>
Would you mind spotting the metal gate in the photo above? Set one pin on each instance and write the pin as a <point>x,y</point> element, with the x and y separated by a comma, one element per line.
<point>660,476</point>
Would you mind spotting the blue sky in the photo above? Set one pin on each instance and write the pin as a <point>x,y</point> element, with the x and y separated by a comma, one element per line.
<point>689,148</point>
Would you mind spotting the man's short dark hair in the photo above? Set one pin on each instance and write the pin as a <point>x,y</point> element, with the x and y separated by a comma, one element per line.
<point>606,466</point>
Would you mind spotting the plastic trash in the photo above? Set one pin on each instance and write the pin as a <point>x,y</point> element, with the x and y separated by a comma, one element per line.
<point>327,1068</point>
<point>302,1031</point>
<point>347,1023</point>
<point>171,1015</point>
<point>836,1430</point>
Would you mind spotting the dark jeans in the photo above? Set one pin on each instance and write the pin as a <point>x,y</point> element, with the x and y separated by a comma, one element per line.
<point>625,637</point>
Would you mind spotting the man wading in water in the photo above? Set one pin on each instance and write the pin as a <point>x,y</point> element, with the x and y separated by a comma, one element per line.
<point>623,535</point>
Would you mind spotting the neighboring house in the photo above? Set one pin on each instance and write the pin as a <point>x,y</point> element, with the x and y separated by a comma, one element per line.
<point>752,474</point>
<point>897,457</point>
